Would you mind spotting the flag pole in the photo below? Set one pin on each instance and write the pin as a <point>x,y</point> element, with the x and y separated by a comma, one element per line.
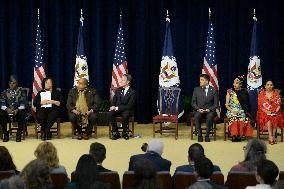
<point>254,17</point>
<point>38,13</point>
<point>168,17</point>
<point>81,18</point>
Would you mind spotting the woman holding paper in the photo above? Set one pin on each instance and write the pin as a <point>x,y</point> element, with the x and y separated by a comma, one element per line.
<point>269,111</point>
<point>48,105</point>
<point>238,106</point>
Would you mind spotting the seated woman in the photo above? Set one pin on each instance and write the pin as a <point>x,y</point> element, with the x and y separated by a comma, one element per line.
<point>48,108</point>
<point>6,161</point>
<point>255,151</point>
<point>238,106</point>
<point>36,175</point>
<point>46,151</point>
<point>269,111</point>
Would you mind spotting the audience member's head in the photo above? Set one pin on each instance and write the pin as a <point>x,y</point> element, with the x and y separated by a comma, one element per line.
<point>86,171</point>
<point>36,174</point>
<point>46,151</point>
<point>279,184</point>
<point>156,145</point>
<point>145,175</point>
<point>195,151</point>
<point>255,151</point>
<point>266,172</point>
<point>6,162</point>
<point>201,185</point>
<point>14,182</point>
<point>144,147</point>
<point>203,167</point>
<point>98,151</point>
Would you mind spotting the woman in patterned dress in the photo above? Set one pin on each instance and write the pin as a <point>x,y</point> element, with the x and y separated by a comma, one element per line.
<point>238,106</point>
<point>269,114</point>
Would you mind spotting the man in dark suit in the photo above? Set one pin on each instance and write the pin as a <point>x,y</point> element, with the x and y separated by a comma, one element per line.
<point>122,105</point>
<point>154,154</point>
<point>204,103</point>
<point>204,170</point>
<point>82,105</point>
<point>98,151</point>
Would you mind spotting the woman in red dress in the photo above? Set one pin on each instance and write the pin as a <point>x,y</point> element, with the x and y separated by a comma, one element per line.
<point>269,111</point>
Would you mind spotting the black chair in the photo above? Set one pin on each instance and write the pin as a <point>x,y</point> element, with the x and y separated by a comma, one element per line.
<point>6,174</point>
<point>59,180</point>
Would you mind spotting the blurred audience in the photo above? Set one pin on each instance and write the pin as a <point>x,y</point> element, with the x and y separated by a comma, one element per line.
<point>14,182</point>
<point>98,151</point>
<point>6,161</point>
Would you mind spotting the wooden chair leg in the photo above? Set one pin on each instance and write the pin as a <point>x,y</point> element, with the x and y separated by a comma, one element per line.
<point>109,130</point>
<point>72,130</point>
<point>161,128</point>
<point>154,130</point>
<point>176,137</point>
<point>191,130</point>
<point>95,128</point>
<point>58,129</point>
<point>214,131</point>
<point>36,133</point>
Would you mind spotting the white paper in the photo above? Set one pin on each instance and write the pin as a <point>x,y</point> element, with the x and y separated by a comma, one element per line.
<point>46,96</point>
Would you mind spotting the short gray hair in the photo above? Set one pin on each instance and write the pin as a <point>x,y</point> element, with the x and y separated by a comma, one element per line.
<point>14,182</point>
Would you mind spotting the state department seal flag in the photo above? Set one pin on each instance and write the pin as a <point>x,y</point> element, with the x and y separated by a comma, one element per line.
<point>168,76</point>
<point>81,66</point>
<point>119,67</point>
<point>254,77</point>
<point>209,64</point>
<point>39,67</point>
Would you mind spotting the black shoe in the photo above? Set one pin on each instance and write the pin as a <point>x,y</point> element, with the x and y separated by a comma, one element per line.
<point>48,136</point>
<point>207,139</point>
<point>115,136</point>
<point>200,139</point>
<point>238,139</point>
<point>18,138</point>
<point>234,139</point>
<point>125,136</point>
<point>6,138</point>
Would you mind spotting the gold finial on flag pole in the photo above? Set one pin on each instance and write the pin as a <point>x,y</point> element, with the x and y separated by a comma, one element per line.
<point>254,17</point>
<point>168,16</point>
<point>38,13</point>
<point>81,18</point>
<point>120,14</point>
<point>209,12</point>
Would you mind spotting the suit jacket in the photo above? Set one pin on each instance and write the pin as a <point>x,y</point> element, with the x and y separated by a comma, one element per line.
<point>91,96</point>
<point>124,102</point>
<point>201,101</point>
<point>216,186</point>
<point>160,163</point>
<point>101,169</point>
<point>190,169</point>
<point>55,95</point>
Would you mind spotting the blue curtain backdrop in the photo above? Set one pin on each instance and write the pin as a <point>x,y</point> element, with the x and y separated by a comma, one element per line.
<point>144,24</point>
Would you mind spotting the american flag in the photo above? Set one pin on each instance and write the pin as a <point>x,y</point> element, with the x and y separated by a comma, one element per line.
<point>120,63</point>
<point>209,65</point>
<point>39,68</point>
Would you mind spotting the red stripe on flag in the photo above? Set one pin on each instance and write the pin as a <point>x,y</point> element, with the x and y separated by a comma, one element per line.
<point>211,80</point>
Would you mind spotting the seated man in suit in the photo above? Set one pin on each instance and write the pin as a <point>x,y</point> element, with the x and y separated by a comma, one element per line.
<point>195,152</point>
<point>122,105</point>
<point>98,151</point>
<point>154,154</point>
<point>13,102</point>
<point>204,103</point>
<point>82,105</point>
<point>204,170</point>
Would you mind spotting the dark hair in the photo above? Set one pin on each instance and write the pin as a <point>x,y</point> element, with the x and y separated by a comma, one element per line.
<point>36,174</point>
<point>204,167</point>
<point>100,185</point>
<point>146,175</point>
<point>98,151</point>
<point>254,152</point>
<point>6,162</point>
<point>195,151</point>
<point>205,76</point>
<point>128,77</point>
<point>279,184</point>
<point>86,171</point>
<point>144,147</point>
<point>14,182</point>
<point>52,81</point>
<point>268,171</point>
